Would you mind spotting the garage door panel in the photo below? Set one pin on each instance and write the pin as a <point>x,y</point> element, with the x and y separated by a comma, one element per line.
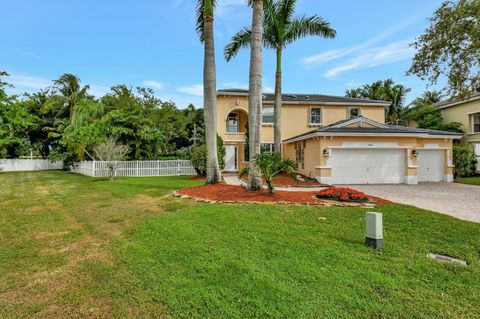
<point>430,165</point>
<point>367,166</point>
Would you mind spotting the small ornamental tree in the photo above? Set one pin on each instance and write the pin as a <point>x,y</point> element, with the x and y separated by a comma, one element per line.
<point>271,165</point>
<point>111,152</point>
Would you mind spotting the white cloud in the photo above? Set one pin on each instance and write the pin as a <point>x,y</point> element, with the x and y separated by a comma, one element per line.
<point>393,52</point>
<point>338,53</point>
<point>196,89</point>
<point>154,84</point>
<point>24,81</point>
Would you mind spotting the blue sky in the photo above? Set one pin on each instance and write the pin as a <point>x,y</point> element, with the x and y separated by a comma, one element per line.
<point>153,43</point>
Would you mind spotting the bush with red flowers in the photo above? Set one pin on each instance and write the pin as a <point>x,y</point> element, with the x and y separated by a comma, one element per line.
<point>342,194</point>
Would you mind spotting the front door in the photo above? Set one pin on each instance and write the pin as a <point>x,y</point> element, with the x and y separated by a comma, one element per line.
<point>231,158</point>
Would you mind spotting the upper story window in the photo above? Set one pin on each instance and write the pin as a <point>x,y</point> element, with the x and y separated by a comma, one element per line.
<point>315,116</point>
<point>476,123</point>
<point>267,115</point>
<point>354,111</point>
<point>268,147</point>
<point>232,123</point>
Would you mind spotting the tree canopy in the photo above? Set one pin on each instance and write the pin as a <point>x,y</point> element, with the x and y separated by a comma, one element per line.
<point>65,122</point>
<point>450,47</point>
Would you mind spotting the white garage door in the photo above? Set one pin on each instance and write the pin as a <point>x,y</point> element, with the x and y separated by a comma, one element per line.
<point>430,165</point>
<point>367,166</point>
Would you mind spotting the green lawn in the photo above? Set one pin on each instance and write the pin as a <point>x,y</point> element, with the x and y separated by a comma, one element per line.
<point>73,246</point>
<point>469,180</point>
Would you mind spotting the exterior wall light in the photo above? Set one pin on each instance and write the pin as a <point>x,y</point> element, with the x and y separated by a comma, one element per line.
<point>325,152</point>
<point>414,153</point>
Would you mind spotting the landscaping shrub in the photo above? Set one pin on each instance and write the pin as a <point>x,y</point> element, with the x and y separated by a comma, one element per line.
<point>465,161</point>
<point>271,165</point>
<point>342,194</point>
<point>199,156</point>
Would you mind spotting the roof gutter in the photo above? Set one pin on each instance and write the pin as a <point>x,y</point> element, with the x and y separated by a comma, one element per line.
<point>444,106</point>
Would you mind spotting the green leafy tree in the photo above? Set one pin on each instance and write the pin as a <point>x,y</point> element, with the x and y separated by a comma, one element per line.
<point>430,117</point>
<point>271,165</point>
<point>15,122</point>
<point>280,28</point>
<point>428,98</point>
<point>450,47</point>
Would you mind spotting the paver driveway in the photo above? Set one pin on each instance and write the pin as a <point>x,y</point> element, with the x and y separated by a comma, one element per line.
<point>457,200</point>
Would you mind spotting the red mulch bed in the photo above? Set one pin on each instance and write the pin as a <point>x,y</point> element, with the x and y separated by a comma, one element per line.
<point>285,180</point>
<point>231,193</point>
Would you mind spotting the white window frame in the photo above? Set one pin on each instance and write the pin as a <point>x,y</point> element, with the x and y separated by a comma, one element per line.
<point>237,118</point>
<point>310,123</point>
<point>273,117</point>
<point>270,147</point>
<point>475,115</point>
<point>354,108</point>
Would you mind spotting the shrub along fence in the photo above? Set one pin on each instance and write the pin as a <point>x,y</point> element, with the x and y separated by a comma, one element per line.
<point>135,168</point>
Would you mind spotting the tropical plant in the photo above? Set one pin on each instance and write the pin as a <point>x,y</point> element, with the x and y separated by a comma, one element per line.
<point>450,47</point>
<point>428,98</point>
<point>464,160</point>
<point>280,28</point>
<point>270,166</point>
<point>111,152</point>
<point>342,194</point>
<point>430,117</point>
<point>388,91</point>
<point>205,14</point>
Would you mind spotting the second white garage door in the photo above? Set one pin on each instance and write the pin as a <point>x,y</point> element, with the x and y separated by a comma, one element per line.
<point>430,165</point>
<point>367,166</point>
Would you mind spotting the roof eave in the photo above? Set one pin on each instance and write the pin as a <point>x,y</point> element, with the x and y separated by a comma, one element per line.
<point>393,134</point>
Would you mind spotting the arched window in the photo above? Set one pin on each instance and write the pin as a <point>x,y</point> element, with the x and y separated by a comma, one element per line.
<point>232,122</point>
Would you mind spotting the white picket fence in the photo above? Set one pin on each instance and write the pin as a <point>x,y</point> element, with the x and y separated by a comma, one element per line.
<point>136,168</point>
<point>17,165</point>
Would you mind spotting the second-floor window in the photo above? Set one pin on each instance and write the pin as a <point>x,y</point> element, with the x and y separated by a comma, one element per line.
<point>232,123</point>
<point>315,116</point>
<point>267,115</point>
<point>476,123</point>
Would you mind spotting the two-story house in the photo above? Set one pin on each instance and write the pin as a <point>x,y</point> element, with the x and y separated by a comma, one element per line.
<point>338,140</point>
<point>466,112</point>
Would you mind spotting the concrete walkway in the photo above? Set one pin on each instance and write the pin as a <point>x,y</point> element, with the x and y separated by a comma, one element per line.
<point>457,200</point>
<point>234,180</point>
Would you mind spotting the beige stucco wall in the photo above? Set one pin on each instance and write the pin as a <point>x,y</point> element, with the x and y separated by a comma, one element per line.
<point>316,162</point>
<point>462,113</point>
<point>295,118</point>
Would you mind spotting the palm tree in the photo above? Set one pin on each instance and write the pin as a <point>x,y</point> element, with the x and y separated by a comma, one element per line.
<point>255,93</point>
<point>67,92</point>
<point>281,28</point>
<point>396,95</point>
<point>205,9</point>
<point>428,98</point>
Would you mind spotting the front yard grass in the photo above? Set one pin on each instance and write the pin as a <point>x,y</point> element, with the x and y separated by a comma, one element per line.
<point>469,180</point>
<point>73,246</point>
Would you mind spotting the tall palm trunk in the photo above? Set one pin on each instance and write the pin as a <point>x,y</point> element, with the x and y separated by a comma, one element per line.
<point>277,108</point>
<point>255,93</point>
<point>210,102</point>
